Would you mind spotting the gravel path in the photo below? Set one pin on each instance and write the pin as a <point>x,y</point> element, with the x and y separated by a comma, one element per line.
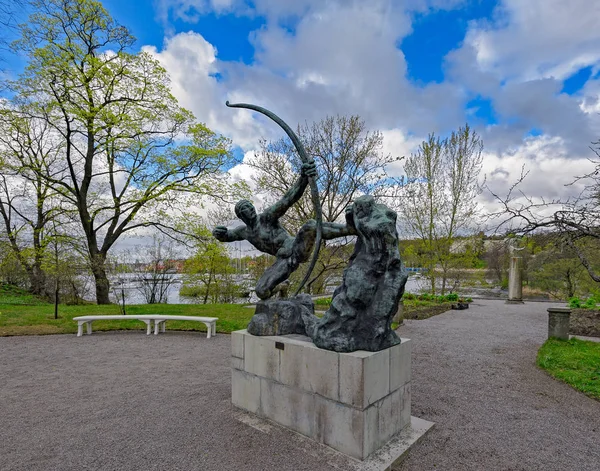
<point>474,375</point>
<point>124,401</point>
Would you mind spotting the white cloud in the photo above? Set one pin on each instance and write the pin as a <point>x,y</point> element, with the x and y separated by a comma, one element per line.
<point>398,144</point>
<point>342,57</point>
<point>193,67</point>
<point>551,170</point>
<point>531,39</point>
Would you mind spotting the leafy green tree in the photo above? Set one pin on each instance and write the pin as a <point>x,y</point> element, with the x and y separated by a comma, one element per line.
<point>130,151</point>
<point>210,273</point>
<point>439,199</point>
<point>558,271</point>
<point>11,270</point>
<point>28,203</point>
<point>62,264</point>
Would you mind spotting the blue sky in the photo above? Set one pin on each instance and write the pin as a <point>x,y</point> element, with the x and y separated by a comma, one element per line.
<point>524,73</point>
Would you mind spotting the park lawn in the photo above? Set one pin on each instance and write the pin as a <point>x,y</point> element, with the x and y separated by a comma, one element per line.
<point>575,362</point>
<point>23,314</point>
<point>19,319</point>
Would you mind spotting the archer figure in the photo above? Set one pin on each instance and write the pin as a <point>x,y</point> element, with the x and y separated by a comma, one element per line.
<point>265,232</point>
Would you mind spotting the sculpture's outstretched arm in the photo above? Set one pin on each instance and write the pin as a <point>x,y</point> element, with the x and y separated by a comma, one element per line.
<point>291,197</point>
<point>332,230</point>
<point>229,235</point>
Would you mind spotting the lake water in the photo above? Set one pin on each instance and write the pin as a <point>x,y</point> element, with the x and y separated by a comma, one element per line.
<point>129,284</point>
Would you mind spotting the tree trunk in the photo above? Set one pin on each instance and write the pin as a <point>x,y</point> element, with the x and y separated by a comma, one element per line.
<point>570,285</point>
<point>56,293</point>
<point>37,279</point>
<point>444,278</point>
<point>100,279</point>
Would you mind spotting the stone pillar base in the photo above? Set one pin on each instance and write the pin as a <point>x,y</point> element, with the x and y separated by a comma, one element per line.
<point>558,322</point>
<point>353,402</point>
<point>514,301</point>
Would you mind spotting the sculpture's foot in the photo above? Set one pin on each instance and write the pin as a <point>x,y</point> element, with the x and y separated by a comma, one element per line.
<point>282,288</point>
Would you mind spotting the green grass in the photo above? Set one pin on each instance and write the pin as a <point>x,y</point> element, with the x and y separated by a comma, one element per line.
<point>12,295</point>
<point>23,314</point>
<point>18,319</point>
<point>574,362</point>
<point>322,302</point>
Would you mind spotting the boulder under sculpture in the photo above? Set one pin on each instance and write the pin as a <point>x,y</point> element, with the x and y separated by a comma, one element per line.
<point>282,316</point>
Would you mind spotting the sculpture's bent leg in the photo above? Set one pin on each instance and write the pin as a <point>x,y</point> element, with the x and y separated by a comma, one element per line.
<point>275,274</point>
<point>304,242</point>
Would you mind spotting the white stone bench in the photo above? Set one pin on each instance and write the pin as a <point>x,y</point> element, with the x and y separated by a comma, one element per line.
<point>87,320</point>
<point>210,322</point>
<point>159,322</point>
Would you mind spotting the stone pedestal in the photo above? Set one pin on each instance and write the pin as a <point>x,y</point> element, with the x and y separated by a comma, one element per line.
<point>515,282</point>
<point>558,322</point>
<point>353,402</point>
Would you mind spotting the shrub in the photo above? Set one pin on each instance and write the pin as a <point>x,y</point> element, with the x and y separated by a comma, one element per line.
<point>574,302</point>
<point>323,301</point>
<point>590,303</point>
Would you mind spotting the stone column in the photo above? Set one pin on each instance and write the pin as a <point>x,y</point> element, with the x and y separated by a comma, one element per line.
<point>558,322</point>
<point>515,283</point>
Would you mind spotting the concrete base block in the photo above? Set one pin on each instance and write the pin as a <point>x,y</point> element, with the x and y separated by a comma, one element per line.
<point>514,301</point>
<point>387,458</point>
<point>394,451</point>
<point>353,402</point>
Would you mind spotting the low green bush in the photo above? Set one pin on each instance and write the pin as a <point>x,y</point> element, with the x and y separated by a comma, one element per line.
<point>590,303</point>
<point>574,302</point>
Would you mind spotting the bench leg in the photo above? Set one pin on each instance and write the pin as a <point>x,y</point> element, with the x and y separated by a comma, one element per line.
<point>148,326</point>
<point>157,325</point>
<point>214,328</point>
<point>208,330</point>
<point>89,327</point>
<point>79,328</point>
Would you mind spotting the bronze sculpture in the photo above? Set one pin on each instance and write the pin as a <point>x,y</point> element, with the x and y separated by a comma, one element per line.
<point>362,308</point>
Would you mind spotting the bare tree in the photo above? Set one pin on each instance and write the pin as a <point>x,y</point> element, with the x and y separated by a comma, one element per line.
<point>497,257</point>
<point>439,198</point>
<point>9,14</point>
<point>576,220</point>
<point>350,162</point>
<point>156,278</point>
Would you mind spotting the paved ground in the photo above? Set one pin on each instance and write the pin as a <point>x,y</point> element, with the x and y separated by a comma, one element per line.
<point>124,401</point>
